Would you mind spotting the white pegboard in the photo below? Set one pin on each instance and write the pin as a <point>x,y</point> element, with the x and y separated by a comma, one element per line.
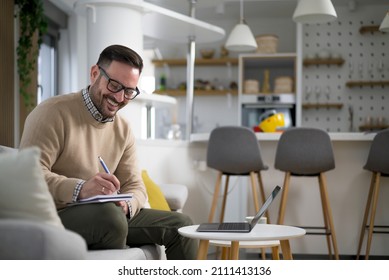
<point>366,58</point>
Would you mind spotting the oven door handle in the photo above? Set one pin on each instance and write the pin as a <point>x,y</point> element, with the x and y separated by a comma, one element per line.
<point>264,106</point>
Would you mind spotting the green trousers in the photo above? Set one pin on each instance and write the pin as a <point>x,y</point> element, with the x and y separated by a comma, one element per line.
<point>104,226</point>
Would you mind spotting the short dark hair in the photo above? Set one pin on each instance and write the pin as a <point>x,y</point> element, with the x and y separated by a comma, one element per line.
<point>122,54</point>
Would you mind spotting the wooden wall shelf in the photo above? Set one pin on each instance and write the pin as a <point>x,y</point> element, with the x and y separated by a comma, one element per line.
<point>372,127</point>
<point>176,92</point>
<point>352,84</point>
<point>198,61</point>
<point>322,105</point>
<point>318,61</point>
<point>369,29</point>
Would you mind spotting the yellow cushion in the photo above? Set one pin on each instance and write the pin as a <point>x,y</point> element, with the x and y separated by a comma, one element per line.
<point>156,198</point>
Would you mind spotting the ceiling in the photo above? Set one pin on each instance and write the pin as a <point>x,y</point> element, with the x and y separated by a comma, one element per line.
<point>217,9</point>
<point>209,10</point>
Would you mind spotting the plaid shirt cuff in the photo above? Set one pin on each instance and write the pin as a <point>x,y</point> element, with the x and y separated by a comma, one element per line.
<point>77,190</point>
<point>129,215</point>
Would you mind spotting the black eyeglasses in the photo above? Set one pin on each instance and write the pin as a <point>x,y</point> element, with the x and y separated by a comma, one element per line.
<point>115,86</point>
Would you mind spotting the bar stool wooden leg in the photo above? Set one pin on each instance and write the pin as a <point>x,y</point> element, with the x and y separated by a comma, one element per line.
<point>215,197</point>
<point>262,191</point>
<point>224,199</point>
<point>256,202</point>
<point>323,186</point>
<point>366,215</point>
<point>284,197</point>
<point>372,216</point>
<point>325,217</point>
<point>254,190</point>
<point>263,253</point>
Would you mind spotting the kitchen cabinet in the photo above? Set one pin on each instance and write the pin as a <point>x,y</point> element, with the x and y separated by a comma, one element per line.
<point>253,67</point>
<point>267,69</point>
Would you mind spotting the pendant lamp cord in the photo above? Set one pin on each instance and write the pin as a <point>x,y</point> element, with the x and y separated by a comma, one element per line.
<point>241,10</point>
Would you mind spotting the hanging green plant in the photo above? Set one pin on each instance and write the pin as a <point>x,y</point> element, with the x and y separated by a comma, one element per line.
<point>32,21</point>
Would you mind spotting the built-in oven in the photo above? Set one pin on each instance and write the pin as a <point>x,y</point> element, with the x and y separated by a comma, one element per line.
<point>254,106</point>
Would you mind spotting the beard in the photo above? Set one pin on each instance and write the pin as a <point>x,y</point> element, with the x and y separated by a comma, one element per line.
<point>104,102</point>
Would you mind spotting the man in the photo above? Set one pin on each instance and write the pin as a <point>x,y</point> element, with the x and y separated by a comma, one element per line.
<point>72,131</point>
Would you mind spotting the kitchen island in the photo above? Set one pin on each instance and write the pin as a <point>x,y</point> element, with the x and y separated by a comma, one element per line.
<point>348,184</point>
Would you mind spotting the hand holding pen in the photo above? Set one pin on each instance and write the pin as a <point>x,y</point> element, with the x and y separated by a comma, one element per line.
<point>100,183</point>
<point>122,204</point>
<point>105,167</point>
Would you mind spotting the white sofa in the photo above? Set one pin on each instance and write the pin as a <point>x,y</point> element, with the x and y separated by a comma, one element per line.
<point>27,237</point>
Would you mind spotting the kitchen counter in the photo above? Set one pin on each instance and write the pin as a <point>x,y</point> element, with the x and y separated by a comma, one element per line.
<point>335,136</point>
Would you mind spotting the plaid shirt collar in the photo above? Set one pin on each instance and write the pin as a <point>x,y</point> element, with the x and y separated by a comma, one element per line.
<point>92,108</point>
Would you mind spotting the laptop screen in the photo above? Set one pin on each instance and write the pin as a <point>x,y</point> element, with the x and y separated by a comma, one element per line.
<point>266,205</point>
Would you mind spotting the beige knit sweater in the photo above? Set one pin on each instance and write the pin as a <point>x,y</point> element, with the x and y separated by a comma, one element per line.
<point>70,140</point>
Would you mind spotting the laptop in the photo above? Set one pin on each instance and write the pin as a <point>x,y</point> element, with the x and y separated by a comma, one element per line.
<point>240,226</point>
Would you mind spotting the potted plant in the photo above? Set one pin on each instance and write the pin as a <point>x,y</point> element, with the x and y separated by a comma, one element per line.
<point>32,26</point>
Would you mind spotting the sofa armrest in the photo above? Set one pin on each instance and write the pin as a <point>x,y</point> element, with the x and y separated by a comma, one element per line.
<point>175,194</point>
<point>28,240</point>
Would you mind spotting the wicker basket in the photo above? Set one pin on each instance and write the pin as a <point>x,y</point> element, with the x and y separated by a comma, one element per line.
<point>267,43</point>
<point>251,86</point>
<point>283,84</point>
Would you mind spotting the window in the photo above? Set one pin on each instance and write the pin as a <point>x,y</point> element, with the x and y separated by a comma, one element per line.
<point>48,52</point>
<point>47,68</point>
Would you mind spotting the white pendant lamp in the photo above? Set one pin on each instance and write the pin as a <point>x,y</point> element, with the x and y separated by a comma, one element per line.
<point>241,38</point>
<point>384,27</point>
<point>314,11</point>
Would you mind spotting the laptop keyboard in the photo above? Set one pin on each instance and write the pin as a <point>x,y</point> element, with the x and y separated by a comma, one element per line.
<point>232,226</point>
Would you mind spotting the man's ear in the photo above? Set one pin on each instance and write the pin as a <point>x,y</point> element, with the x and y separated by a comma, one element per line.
<point>94,73</point>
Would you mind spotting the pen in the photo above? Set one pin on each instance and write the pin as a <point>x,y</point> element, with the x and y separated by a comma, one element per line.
<point>106,169</point>
<point>104,165</point>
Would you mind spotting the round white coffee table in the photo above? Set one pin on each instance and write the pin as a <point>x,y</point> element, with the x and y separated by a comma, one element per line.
<point>261,232</point>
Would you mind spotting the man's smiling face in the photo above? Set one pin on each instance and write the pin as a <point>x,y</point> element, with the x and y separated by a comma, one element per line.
<point>107,102</point>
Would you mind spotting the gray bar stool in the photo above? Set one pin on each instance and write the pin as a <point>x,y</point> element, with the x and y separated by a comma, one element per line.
<point>378,163</point>
<point>307,152</point>
<point>234,151</point>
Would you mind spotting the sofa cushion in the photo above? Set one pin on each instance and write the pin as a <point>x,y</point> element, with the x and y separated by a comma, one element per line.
<point>24,193</point>
<point>29,240</point>
<point>156,198</point>
<point>175,194</point>
<point>145,252</point>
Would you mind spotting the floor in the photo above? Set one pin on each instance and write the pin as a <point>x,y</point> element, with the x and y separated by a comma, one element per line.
<point>244,255</point>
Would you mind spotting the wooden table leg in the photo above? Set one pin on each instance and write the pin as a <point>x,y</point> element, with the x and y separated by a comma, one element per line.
<point>234,251</point>
<point>275,253</point>
<point>203,250</point>
<point>286,252</point>
<point>225,253</point>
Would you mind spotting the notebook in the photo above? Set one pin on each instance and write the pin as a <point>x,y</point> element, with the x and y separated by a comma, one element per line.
<point>240,226</point>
